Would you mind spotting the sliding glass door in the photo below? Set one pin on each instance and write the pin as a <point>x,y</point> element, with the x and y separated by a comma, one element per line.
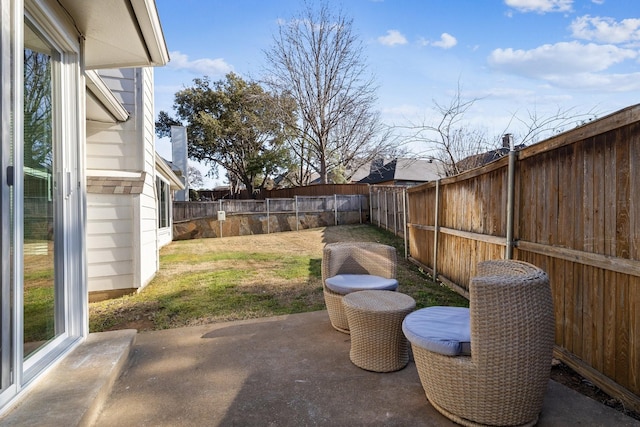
<point>43,309</point>
<point>7,97</point>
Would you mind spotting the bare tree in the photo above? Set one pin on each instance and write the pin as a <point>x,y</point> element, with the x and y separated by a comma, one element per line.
<point>450,139</point>
<point>460,146</point>
<point>317,60</point>
<point>537,127</point>
<point>38,151</point>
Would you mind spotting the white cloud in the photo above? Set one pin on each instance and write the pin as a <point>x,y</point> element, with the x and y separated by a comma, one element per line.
<point>606,30</point>
<point>621,83</point>
<point>535,95</point>
<point>564,58</point>
<point>501,93</point>
<point>403,111</point>
<point>204,66</point>
<point>392,38</point>
<point>447,41</point>
<point>540,6</point>
<point>570,65</point>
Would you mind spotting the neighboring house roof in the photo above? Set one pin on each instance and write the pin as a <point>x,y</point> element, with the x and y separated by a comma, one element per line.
<point>403,171</point>
<point>170,172</point>
<point>361,173</point>
<point>119,33</point>
<point>482,159</point>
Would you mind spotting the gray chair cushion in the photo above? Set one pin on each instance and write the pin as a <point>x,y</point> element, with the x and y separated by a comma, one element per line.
<point>443,330</point>
<point>347,283</point>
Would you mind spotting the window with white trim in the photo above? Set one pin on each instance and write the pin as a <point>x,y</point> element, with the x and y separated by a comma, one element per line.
<point>164,198</point>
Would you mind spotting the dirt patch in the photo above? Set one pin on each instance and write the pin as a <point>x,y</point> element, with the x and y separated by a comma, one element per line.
<point>562,374</point>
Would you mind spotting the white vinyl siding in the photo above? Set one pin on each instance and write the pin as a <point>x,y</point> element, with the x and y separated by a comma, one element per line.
<point>116,146</point>
<point>126,147</point>
<point>148,215</point>
<point>109,242</point>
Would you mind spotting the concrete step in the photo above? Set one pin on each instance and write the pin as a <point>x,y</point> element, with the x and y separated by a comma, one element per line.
<point>74,391</point>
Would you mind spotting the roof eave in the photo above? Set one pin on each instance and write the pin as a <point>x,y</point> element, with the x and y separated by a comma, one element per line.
<point>105,97</point>
<point>174,180</point>
<point>149,22</point>
<point>118,33</point>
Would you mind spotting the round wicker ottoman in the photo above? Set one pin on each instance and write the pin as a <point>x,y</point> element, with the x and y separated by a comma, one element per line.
<point>375,321</point>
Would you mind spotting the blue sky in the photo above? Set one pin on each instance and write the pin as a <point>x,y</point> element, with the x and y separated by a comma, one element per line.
<point>515,56</point>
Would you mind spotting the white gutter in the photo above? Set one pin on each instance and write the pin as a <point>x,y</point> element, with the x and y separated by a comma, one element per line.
<point>166,171</point>
<point>147,15</point>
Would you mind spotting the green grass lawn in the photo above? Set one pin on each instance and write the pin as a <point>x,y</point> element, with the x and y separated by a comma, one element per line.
<point>214,280</point>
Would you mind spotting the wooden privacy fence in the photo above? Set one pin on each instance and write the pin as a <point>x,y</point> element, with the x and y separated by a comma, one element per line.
<point>299,205</point>
<point>573,209</point>
<point>388,210</point>
<point>317,190</point>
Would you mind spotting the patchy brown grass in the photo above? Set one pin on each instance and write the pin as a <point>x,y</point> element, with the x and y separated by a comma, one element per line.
<point>230,278</point>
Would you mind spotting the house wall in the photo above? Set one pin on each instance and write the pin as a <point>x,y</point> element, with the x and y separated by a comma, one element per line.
<point>148,249</point>
<point>122,227</point>
<point>110,242</point>
<point>114,146</point>
<point>165,236</point>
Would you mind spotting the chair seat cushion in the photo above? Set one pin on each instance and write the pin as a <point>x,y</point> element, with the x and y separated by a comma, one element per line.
<point>443,330</point>
<point>347,283</point>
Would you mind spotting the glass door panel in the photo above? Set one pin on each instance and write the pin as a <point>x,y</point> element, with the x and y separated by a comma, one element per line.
<point>40,195</point>
<point>6,203</point>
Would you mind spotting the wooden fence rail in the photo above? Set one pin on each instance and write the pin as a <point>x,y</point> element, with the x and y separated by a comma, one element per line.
<point>317,190</point>
<point>576,214</point>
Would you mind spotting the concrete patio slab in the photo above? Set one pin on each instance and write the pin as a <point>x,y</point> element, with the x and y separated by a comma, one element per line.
<point>280,371</point>
<point>286,371</point>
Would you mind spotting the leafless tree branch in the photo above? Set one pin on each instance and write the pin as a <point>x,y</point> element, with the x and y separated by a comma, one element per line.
<point>318,61</point>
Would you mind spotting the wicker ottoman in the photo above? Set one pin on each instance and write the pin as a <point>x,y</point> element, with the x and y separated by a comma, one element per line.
<point>375,321</point>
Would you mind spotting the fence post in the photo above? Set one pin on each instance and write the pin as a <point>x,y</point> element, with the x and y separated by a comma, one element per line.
<point>395,213</point>
<point>386,210</point>
<point>220,222</point>
<point>436,230</point>
<point>335,209</point>
<point>378,205</point>
<point>405,223</point>
<point>268,225</point>
<point>360,207</point>
<point>296,203</point>
<point>370,205</point>
<point>511,178</point>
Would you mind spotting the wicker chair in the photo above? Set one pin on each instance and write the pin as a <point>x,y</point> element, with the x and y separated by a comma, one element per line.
<point>353,258</point>
<point>504,380</point>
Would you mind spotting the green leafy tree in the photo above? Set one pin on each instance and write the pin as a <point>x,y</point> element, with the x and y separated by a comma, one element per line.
<point>232,123</point>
